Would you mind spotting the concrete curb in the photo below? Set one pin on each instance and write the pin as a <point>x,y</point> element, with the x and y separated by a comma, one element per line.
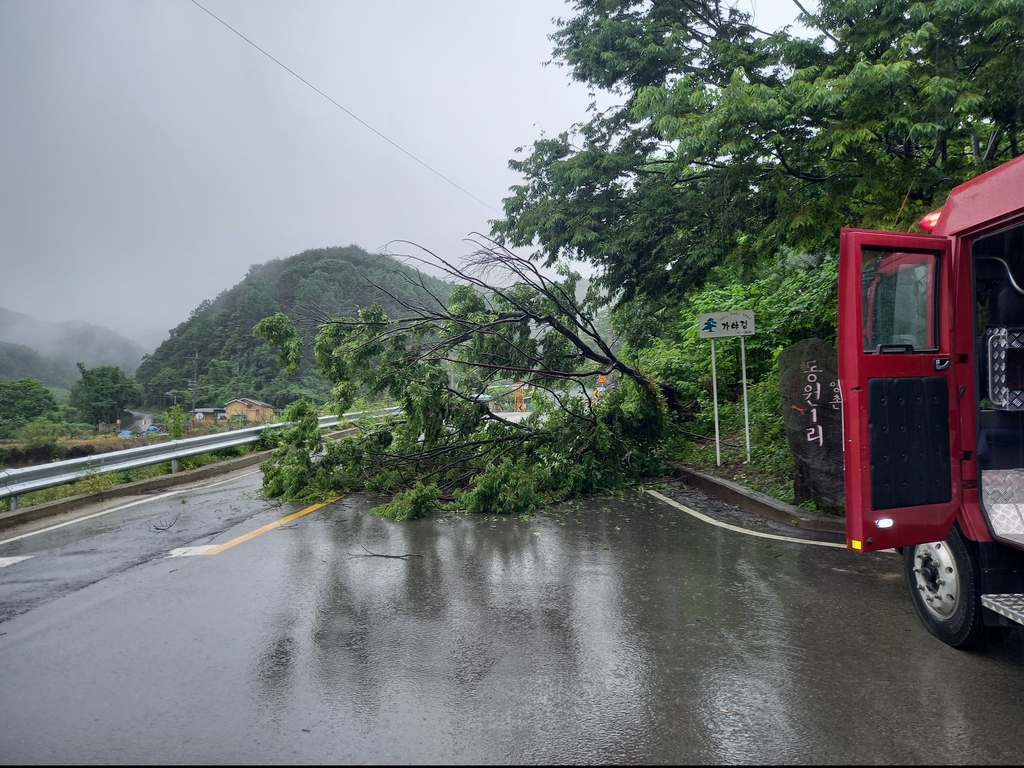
<point>50,508</point>
<point>758,503</point>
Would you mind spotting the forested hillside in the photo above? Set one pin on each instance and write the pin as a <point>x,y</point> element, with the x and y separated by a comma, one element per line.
<point>310,287</point>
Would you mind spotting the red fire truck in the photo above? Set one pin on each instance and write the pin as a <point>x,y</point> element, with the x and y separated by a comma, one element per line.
<point>931,365</point>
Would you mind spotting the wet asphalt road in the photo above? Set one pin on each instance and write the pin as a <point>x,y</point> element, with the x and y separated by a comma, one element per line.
<point>616,631</point>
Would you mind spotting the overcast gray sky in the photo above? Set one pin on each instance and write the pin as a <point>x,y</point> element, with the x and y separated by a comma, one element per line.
<point>149,156</point>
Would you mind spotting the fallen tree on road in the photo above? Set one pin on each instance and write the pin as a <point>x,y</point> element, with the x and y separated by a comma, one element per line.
<point>505,321</point>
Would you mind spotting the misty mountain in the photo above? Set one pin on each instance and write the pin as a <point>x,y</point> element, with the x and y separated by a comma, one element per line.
<point>216,341</point>
<point>20,362</point>
<point>70,342</point>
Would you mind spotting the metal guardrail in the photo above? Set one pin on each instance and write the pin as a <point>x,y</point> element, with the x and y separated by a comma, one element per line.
<point>36,478</point>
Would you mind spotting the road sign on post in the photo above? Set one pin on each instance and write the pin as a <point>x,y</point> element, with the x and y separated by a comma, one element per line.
<point>718,325</point>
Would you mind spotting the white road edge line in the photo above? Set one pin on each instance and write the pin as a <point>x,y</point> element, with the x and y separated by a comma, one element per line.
<point>5,561</point>
<point>190,551</point>
<point>736,528</point>
<point>124,506</point>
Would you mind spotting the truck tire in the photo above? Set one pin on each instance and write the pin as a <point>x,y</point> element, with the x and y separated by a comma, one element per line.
<point>944,578</point>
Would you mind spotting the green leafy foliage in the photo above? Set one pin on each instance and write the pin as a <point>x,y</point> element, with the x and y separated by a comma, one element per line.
<point>102,394</point>
<point>175,420</point>
<point>418,501</point>
<point>279,331</point>
<point>291,471</point>
<point>39,432</point>
<point>22,401</point>
<point>732,145</point>
<point>507,488</point>
<point>791,303</point>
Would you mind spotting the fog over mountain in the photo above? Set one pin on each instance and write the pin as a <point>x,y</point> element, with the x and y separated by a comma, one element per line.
<point>20,362</point>
<point>71,342</point>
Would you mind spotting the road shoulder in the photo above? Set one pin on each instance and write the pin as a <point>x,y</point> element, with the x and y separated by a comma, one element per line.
<point>758,503</point>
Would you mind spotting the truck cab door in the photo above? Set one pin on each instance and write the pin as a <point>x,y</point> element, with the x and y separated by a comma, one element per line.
<point>899,395</point>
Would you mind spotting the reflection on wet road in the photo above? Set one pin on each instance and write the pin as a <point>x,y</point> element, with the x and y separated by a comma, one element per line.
<point>616,631</point>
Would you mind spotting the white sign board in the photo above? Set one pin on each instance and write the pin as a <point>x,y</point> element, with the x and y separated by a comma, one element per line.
<point>719,325</point>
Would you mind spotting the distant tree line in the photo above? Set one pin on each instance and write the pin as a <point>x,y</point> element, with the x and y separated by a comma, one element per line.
<point>29,410</point>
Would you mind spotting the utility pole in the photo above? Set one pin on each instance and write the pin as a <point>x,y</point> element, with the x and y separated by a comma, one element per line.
<point>195,380</point>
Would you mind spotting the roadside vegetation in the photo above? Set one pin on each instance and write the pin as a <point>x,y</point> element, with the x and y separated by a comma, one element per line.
<point>32,414</point>
<point>53,444</point>
<point>718,180</point>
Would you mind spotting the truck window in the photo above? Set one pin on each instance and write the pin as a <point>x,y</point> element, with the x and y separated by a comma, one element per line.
<point>899,298</point>
<point>999,303</point>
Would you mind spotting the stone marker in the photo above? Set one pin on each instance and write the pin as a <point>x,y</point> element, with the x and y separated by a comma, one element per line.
<point>813,414</point>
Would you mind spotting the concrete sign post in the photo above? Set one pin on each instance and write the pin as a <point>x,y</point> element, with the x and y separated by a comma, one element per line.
<point>716,325</point>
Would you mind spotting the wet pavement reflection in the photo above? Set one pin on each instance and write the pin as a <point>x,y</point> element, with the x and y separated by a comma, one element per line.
<point>616,631</point>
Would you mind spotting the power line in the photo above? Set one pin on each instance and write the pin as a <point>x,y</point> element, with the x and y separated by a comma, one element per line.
<point>347,112</point>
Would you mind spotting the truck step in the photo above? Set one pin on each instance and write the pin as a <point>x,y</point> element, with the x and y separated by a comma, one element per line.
<point>1010,606</point>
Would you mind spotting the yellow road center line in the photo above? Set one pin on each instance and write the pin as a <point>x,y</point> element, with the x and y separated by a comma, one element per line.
<point>269,527</point>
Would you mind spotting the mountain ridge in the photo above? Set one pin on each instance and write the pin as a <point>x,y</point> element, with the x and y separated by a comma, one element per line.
<point>63,344</point>
<point>216,344</point>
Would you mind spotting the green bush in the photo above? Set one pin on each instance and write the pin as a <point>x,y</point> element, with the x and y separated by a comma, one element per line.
<point>77,430</point>
<point>229,453</point>
<point>175,422</point>
<point>418,501</point>
<point>40,432</point>
<point>508,488</point>
<point>142,473</point>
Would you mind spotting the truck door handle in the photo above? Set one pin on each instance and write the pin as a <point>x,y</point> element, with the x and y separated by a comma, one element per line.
<point>941,363</point>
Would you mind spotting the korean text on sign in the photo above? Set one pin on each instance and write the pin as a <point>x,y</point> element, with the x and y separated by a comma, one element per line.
<point>811,396</point>
<point>714,325</point>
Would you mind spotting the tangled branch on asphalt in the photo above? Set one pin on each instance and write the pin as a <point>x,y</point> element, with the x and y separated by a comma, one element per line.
<point>160,527</point>
<point>374,554</point>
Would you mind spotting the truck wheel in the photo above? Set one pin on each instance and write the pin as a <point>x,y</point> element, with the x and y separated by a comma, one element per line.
<point>944,578</point>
